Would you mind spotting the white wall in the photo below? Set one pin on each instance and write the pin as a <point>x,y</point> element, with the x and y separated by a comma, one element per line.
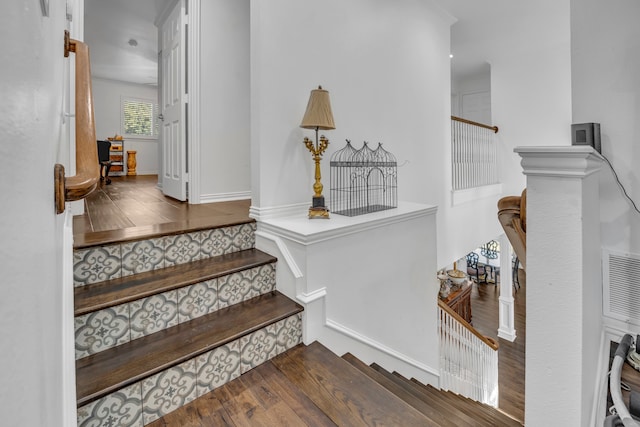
<point>107,99</point>
<point>531,99</point>
<point>530,83</point>
<point>31,130</point>
<point>224,100</point>
<point>605,69</point>
<point>386,67</point>
<point>478,86</point>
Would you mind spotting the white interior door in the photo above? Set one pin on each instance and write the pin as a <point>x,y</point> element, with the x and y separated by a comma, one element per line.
<point>174,139</point>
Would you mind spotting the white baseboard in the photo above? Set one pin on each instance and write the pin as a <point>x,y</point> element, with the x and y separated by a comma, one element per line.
<point>381,348</point>
<point>225,197</point>
<point>270,212</point>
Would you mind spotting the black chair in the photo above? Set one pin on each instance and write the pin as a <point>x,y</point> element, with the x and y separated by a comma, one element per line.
<point>104,158</point>
<point>473,269</point>
<point>490,250</point>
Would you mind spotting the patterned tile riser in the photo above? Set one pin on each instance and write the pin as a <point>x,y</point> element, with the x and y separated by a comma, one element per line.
<point>145,401</point>
<point>110,327</point>
<point>103,263</point>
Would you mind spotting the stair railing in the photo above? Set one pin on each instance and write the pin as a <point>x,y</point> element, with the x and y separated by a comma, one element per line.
<point>468,360</point>
<point>474,154</point>
<point>78,187</point>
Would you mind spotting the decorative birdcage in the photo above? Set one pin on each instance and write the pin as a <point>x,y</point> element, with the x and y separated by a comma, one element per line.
<point>363,181</point>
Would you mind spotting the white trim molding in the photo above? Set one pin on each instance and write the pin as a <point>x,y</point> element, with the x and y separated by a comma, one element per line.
<point>225,197</point>
<point>195,111</point>
<point>284,250</point>
<point>573,161</point>
<point>301,229</point>
<point>271,212</point>
<point>308,298</point>
<point>380,347</point>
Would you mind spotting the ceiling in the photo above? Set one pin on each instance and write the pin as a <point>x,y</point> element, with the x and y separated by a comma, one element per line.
<point>109,28</point>
<point>480,29</point>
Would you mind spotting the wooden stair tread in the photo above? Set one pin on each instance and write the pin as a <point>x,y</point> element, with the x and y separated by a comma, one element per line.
<point>431,411</point>
<point>263,396</point>
<point>495,416</point>
<point>102,373</point>
<point>342,392</point>
<point>97,296</point>
<point>466,411</point>
<point>132,234</point>
<point>441,403</point>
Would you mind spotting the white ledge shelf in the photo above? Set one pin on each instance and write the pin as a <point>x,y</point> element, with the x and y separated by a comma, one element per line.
<point>305,231</point>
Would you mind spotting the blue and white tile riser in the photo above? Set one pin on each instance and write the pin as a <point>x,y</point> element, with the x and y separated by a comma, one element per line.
<point>151,398</point>
<point>103,329</point>
<point>98,264</point>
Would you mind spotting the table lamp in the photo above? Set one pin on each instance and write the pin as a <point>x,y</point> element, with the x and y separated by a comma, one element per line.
<point>318,116</point>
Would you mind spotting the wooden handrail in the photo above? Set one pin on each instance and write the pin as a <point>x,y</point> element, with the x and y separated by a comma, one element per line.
<point>471,122</point>
<point>78,187</point>
<point>491,343</point>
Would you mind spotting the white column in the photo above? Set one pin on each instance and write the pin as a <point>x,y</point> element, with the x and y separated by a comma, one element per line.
<point>507,328</point>
<point>564,283</point>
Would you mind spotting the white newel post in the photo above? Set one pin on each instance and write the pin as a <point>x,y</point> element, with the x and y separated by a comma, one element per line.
<point>507,327</point>
<point>563,283</point>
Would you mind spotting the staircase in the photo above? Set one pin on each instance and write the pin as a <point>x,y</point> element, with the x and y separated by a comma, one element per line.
<point>188,329</point>
<point>161,321</point>
<point>311,386</point>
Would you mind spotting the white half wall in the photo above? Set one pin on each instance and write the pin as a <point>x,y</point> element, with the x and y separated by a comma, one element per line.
<point>366,283</point>
<point>107,100</point>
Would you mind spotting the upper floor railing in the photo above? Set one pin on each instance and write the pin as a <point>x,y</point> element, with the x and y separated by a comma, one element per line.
<point>474,154</point>
<point>468,360</point>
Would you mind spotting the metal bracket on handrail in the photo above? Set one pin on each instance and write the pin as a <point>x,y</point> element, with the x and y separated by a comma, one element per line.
<point>78,187</point>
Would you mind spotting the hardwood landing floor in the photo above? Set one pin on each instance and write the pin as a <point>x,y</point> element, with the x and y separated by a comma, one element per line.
<point>133,206</point>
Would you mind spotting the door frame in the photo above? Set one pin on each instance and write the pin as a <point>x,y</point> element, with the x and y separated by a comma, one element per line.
<point>194,110</point>
<point>192,125</point>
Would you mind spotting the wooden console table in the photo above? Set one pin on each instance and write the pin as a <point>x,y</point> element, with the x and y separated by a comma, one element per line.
<point>460,301</point>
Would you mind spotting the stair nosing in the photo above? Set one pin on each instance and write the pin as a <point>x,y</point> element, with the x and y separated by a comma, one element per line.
<point>135,234</point>
<point>188,331</point>
<point>106,292</point>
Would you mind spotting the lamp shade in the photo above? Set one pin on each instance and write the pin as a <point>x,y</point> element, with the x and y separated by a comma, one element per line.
<point>318,114</point>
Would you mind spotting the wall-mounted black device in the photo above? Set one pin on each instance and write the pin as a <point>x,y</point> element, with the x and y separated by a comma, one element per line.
<point>586,134</point>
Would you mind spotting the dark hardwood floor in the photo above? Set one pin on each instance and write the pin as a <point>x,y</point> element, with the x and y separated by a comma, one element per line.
<point>133,207</point>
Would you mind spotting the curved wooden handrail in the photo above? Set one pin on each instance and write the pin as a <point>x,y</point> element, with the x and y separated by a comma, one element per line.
<point>78,187</point>
<point>488,341</point>
<point>471,122</point>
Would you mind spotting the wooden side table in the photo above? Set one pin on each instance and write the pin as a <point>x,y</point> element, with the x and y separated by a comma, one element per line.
<point>460,301</point>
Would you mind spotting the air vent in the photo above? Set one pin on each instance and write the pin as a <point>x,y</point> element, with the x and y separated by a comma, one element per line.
<point>621,286</point>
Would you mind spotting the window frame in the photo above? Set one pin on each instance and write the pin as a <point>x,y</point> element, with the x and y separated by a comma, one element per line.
<point>154,117</point>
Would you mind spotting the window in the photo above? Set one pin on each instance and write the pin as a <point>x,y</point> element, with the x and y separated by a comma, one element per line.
<point>139,118</point>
